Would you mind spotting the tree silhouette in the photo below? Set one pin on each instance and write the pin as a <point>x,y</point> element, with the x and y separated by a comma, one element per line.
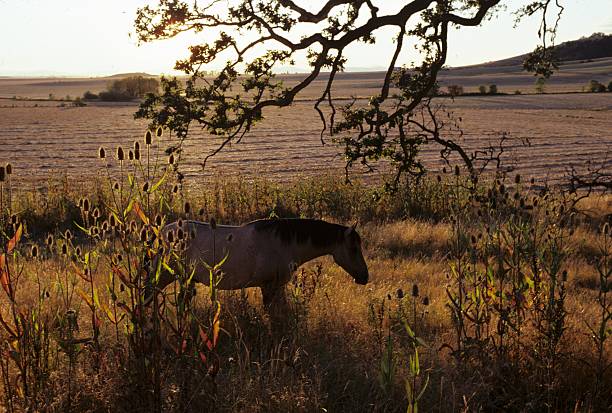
<point>393,124</point>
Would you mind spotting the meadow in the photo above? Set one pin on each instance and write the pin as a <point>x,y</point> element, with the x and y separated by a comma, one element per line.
<point>483,296</point>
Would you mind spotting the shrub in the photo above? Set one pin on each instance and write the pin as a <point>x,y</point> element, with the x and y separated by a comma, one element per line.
<point>540,85</point>
<point>482,89</point>
<point>610,86</point>
<point>595,87</point>
<point>90,96</point>
<point>517,92</point>
<point>493,89</point>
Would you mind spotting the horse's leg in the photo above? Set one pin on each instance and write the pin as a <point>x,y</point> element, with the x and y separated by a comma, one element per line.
<point>275,301</point>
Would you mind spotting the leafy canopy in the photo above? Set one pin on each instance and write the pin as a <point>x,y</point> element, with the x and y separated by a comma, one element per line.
<point>392,125</point>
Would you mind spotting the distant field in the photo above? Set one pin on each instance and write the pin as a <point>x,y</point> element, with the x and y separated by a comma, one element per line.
<point>40,138</point>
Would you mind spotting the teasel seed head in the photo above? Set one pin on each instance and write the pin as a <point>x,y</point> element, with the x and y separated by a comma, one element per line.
<point>415,290</point>
<point>171,159</point>
<point>120,154</point>
<point>187,207</point>
<point>78,251</point>
<point>179,223</point>
<point>605,229</point>
<point>50,240</point>
<point>143,235</point>
<point>136,146</point>
<point>457,171</point>
<point>64,249</point>
<point>137,154</point>
<point>112,221</point>
<point>517,179</point>
<point>175,189</point>
<point>400,293</point>
<point>68,234</point>
<point>158,220</point>
<point>145,187</point>
<point>116,186</point>
<point>180,234</point>
<point>439,178</point>
<point>34,251</point>
<point>148,137</point>
<point>171,237</point>
<point>2,174</point>
<point>85,205</point>
<point>102,153</point>
<point>444,170</point>
<point>159,132</point>
<point>131,155</point>
<point>9,169</point>
<point>425,301</point>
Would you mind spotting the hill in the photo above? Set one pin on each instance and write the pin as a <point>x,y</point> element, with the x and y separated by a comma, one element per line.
<point>596,46</point>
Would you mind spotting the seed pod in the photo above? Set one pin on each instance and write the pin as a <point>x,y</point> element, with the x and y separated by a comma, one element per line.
<point>148,137</point>
<point>171,159</point>
<point>439,178</point>
<point>187,207</point>
<point>116,186</point>
<point>158,220</point>
<point>119,257</point>
<point>34,251</point>
<point>517,179</point>
<point>159,132</point>
<point>105,226</point>
<point>2,173</point>
<point>137,154</point>
<point>400,293</point>
<point>171,237</point>
<point>101,153</point>
<point>78,251</point>
<point>180,234</point>
<point>131,155</point>
<point>64,249</point>
<point>457,171</point>
<point>121,287</point>
<point>85,204</point>
<point>112,221</point>
<point>145,187</point>
<point>179,223</point>
<point>444,170</point>
<point>50,240</point>
<point>68,234</point>
<point>415,290</point>
<point>175,189</point>
<point>120,154</point>
<point>9,169</point>
<point>426,301</point>
<point>136,146</point>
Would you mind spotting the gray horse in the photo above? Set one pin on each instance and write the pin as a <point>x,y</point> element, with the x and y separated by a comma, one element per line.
<point>265,253</point>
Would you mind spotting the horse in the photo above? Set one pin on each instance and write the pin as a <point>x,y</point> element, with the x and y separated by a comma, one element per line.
<point>264,253</point>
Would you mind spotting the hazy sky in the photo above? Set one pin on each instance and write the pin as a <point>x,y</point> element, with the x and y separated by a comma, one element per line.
<point>91,37</point>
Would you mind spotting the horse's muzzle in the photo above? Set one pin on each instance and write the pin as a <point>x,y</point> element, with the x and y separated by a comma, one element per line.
<point>361,280</point>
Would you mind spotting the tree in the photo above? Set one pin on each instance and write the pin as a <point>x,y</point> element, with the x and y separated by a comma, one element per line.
<point>610,86</point>
<point>278,31</point>
<point>540,85</point>
<point>482,89</point>
<point>455,90</point>
<point>493,90</point>
<point>596,87</point>
<point>129,88</point>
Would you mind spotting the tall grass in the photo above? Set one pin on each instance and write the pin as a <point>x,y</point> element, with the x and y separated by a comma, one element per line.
<point>484,296</point>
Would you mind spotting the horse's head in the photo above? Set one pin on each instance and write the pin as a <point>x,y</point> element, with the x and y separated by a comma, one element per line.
<point>348,255</point>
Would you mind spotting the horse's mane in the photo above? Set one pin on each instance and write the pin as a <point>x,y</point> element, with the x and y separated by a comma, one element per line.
<point>315,231</point>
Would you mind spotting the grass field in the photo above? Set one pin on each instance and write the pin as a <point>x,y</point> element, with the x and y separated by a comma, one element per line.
<point>492,297</point>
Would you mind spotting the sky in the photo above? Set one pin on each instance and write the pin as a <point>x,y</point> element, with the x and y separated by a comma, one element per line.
<point>95,38</point>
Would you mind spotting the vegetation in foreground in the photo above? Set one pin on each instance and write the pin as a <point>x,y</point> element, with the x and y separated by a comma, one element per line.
<point>484,296</point>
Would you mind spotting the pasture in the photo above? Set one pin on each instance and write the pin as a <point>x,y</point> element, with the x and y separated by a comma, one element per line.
<point>487,297</point>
